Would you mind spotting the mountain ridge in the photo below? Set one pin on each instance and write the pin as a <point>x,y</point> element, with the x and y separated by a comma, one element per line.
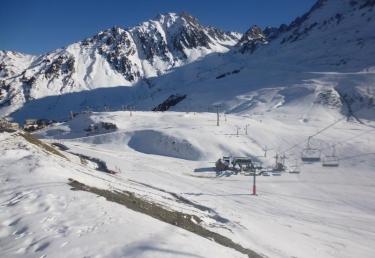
<point>112,57</point>
<point>332,36</point>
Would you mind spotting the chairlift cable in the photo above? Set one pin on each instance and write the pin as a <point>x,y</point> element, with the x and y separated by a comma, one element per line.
<point>350,138</point>
<point>357,155</point>
<point>320,131</point>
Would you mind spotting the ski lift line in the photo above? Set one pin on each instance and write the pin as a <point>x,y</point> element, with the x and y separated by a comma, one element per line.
<point>317,133</point>
<point>320,131</point>
<point>357,155</point>
<point>350,138</point>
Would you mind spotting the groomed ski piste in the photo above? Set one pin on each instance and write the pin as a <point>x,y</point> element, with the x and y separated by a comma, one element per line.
<point>168,158</point>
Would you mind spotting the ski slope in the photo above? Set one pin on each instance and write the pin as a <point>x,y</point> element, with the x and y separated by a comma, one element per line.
<point>41,217</point>
<point>321,212</point>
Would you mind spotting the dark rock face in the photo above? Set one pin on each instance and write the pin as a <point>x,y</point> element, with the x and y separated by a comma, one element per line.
<point>171,101</point>
<point>191,39</point>
<point>152,46</point>
<point>2,69</point>
<point>27,84</point>
<point>252,39</point>
<point>116,47</point>
<point>299,34</point>
<point>193,35</point>
<point>3,89</point>
<point>6,93</point>
<point>273,32</point>
<point>329,98</point>
<point>165,38</point>
<point>180,32</point>
<point>228,73</point>
<point>5,71</point>
<point>63,65</point>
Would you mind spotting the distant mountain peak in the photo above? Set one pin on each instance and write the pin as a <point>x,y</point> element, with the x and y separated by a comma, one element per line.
<point>115,56</point>
<point>332,35</point>
<point>251,39</point>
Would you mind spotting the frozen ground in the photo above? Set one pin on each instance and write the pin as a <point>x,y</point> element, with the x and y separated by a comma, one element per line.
<point>166,157</point>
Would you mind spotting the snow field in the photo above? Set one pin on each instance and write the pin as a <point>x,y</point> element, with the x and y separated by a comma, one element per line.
<point>324,212</point>
<point>42,217</point>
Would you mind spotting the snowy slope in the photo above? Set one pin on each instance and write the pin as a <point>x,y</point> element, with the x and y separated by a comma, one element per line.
<point>334,35</point>
<point>41,217</point>
<point>322,212</point>
<point>324,57</point>
<point>12,65</point>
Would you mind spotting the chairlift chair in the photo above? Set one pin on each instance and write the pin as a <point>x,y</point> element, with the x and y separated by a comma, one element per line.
<point>295,168</point>
<point>331,160</point>
<point>279,164</point>
<point>310,154</point>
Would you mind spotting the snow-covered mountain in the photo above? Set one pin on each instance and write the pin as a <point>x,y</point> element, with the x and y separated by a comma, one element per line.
<point>324,57</point>
<point>113,57</point>
<point>333,34</point>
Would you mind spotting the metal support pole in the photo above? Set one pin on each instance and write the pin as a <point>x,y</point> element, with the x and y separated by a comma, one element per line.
<point>217,115</point>
<point>254,184</point>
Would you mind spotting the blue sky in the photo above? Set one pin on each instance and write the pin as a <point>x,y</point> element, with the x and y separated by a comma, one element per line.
<point>38,26</point>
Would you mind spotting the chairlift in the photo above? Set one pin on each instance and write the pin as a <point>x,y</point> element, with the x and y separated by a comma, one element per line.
<point>331,160</point>
<point>294,169</point>
<point>310,154</point>
<point>279,163</point>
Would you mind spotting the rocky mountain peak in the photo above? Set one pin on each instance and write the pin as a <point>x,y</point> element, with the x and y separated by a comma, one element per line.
<point>255,32</point>
<point>116,56</point>
<point>251,39</point>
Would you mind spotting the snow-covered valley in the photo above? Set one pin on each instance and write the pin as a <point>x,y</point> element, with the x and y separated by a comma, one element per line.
<point>321,212</point>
